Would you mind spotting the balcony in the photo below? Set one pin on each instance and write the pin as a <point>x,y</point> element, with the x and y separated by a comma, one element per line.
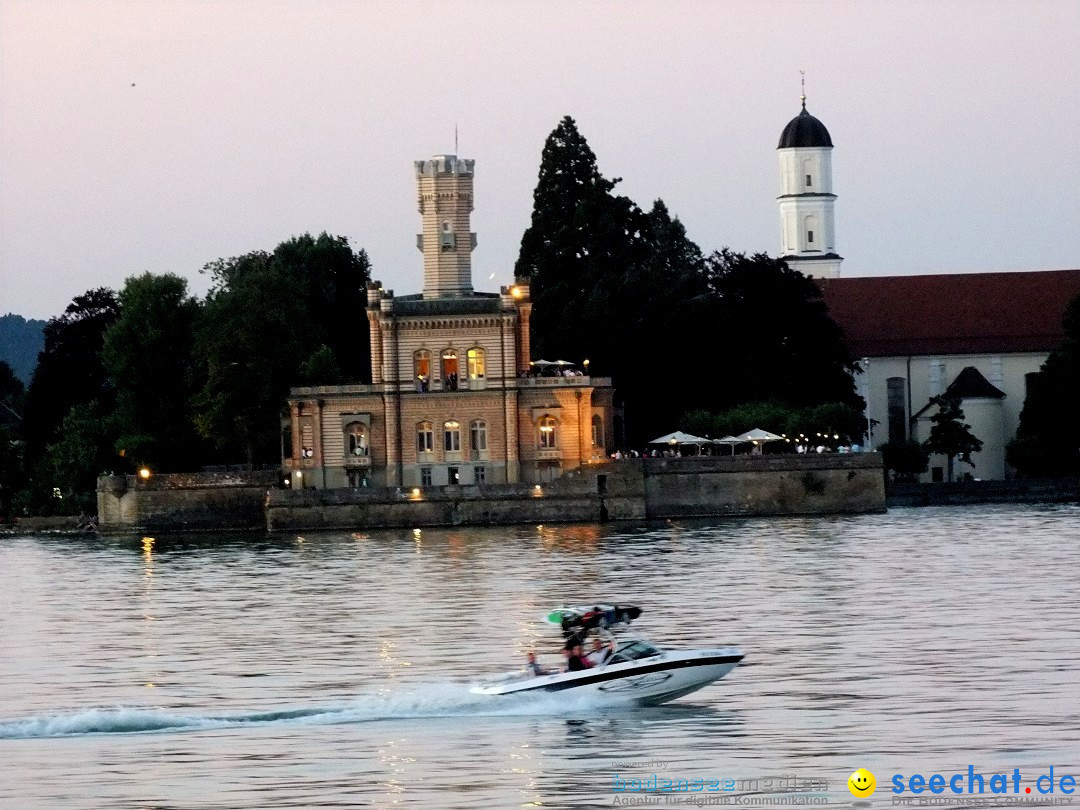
<point>352,462</point>
<point>564,382</point>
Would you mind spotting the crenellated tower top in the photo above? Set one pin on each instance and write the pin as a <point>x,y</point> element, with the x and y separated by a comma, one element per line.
<point>445,198</point>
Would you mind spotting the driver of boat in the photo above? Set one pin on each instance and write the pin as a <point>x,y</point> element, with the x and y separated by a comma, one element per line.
<point>533,666</point>
<point>599,653</point>
<point>576,662</point>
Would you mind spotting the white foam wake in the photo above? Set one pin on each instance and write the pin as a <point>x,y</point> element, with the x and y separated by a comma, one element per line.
<point>436,700</point>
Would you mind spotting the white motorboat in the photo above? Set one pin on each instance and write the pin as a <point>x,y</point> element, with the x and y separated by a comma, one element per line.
<point>628,670</point>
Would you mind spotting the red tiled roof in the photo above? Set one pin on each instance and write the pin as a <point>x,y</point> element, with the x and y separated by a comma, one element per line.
<point>964,313</point>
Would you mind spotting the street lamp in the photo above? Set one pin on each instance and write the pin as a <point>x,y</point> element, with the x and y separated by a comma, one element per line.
<point>869,424</point>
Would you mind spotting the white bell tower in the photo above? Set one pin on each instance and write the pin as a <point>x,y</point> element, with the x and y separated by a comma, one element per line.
<point>806,201</point>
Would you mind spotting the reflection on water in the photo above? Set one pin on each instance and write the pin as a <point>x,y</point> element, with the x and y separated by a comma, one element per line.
<point>333,668</point>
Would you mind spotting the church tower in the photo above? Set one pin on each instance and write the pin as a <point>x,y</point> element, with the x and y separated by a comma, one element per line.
<point>445,191</point>
<point>807,225</point>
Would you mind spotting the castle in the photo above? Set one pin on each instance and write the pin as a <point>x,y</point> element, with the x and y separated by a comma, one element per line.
<point>455,398</point>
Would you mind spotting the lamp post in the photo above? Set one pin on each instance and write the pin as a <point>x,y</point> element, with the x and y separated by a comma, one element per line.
<point>869,424</point>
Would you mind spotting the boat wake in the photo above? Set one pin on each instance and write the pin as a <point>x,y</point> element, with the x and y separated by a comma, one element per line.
<point>433,701</point>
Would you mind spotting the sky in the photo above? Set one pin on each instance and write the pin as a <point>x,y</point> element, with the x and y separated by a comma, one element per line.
<point>156,135</point>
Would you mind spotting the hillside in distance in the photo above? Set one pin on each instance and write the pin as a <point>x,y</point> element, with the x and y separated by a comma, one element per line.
<point>21,341</point>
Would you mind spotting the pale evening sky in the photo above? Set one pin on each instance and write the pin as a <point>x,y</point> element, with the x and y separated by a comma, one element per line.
<point>159,136</point>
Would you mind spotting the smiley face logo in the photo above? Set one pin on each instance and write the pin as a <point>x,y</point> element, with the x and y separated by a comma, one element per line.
<point>862,783</point>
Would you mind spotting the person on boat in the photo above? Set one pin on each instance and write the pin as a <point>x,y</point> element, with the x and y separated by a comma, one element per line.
<point>576,661</point>
<point>600,653</point>
<point>533,665</point>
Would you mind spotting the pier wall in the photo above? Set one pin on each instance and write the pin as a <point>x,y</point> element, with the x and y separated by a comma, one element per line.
<point>764,485</point>
<point>630,489</point>
<point>188,502</point>
<point>958,493</point>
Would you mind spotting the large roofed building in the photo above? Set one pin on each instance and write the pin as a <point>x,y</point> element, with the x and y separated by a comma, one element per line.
<point>453,398</point>
<point>976,337</point>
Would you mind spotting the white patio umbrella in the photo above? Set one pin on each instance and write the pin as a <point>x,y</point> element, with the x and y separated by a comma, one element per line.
<point>543,363</point>
<point>678,437</point>
<point>759,436</point>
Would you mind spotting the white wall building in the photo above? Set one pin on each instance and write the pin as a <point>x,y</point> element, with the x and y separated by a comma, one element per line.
<point>977,337</point>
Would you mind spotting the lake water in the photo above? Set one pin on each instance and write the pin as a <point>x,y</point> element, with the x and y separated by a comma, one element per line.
<point>332,670</point>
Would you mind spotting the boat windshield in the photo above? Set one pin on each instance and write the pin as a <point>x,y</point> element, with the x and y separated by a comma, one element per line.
<point>633,650</point>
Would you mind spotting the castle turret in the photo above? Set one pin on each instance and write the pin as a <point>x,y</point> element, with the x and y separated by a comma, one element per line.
<point>445,191</point>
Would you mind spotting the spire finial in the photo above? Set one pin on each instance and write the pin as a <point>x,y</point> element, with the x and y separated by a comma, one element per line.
<point>455,138</point>
<point>802,78</point>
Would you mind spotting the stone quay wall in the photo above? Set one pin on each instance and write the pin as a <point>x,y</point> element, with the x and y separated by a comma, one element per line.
<point>810,484</point>
<point>184,502</point>
<point>630,489</point>
<point>957,493</point>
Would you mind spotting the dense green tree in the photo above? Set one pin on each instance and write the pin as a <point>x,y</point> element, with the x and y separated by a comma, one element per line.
<point>950,435</point>
<point>612,283</point>
<point>11,465</point>
<point>270,321</point>
<point>773,334</point>
<point>11,388</point>
<point>580,243</point>
<point>70,370</point>
<point>84,451</point>
<point>1047,440</point>
<point>630,291</point>
<point>331,280</point>
<point>148,355</point>
<point>829,423</point>
<point>907,459</point>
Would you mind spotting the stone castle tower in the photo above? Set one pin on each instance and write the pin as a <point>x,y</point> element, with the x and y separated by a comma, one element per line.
<point>445,196</point>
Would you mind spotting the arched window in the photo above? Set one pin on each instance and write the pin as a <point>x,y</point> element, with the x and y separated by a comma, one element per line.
<point>597,431</point>
<point>476,363</point>
<point>449,370</point>
<point>478,436</point>
<point>549,433</point>
<point>425,438</point>
<point>422,369</point>
<point>452,436</point>
<point>356,439</point>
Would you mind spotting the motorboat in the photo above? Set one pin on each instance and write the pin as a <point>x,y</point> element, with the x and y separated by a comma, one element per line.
<point>626,670</point>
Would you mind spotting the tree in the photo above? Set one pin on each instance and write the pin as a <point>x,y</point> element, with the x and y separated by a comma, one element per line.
<point>1047,440</point>
<point>611,283</point>
<point>69,370</point>
<point>83,452</point>
<point>819,423</point>
<point>580,241</point>
<point>780,343</point>
<point>677,332</point>
<point>270,321</point>
<point>950,435</point>
<point>907,459</point>
<point>148,355</point>
<point>11,388</point>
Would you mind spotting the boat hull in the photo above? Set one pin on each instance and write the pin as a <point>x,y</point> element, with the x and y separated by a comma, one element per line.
<point>645,682</point>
